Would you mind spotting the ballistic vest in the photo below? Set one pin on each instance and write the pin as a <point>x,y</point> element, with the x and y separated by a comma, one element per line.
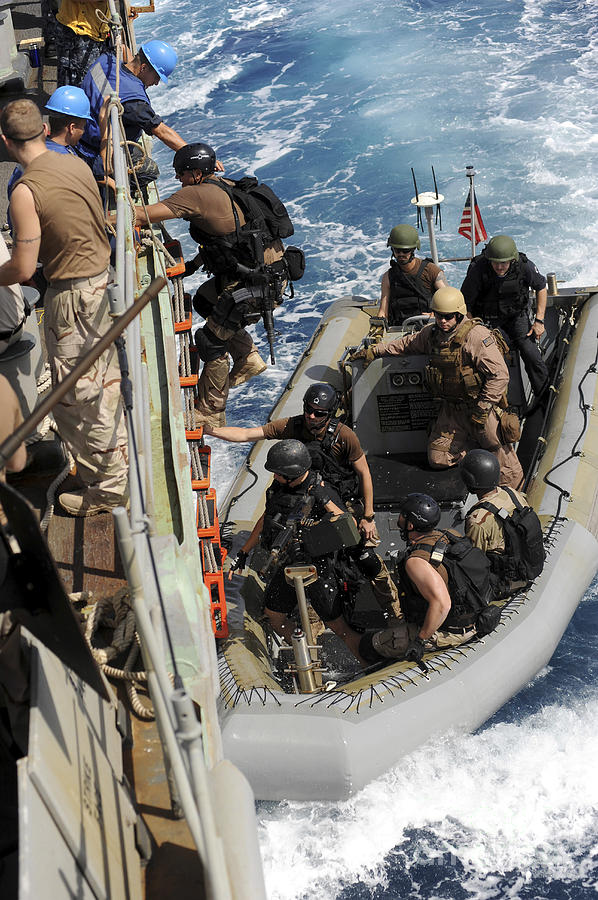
<point>446,375</point>
<point>501,298</point>
<point>342,478</point>
<point>284,505</point>
<point>409,295</point>
<point>465,603</point>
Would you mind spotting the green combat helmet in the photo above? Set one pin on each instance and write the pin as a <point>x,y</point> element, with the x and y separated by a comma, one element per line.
<point>403,237</point>
<point>501,249</point>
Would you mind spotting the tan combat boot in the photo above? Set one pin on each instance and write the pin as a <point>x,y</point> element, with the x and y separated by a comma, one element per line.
<point>245,368</point>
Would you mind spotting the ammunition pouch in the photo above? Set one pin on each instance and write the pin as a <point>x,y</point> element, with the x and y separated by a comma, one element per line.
<point>330,535</point>
<point>295,260</point>
<point>510,426</point>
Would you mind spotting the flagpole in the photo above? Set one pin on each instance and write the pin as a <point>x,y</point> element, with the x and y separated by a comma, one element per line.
<point>470,172</point>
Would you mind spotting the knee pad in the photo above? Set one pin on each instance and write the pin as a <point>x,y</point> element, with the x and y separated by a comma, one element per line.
<point>366,648</point>
<point>209,347</point>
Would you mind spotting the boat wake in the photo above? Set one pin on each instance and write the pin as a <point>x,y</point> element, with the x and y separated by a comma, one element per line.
<point>510,811</point>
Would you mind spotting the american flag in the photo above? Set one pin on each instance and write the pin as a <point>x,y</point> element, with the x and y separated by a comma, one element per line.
<point>465,226</point>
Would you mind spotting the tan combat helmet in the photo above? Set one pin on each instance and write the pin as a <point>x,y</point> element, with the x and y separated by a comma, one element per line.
<point>449,300</point>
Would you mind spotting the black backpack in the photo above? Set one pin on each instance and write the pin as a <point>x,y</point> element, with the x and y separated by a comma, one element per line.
<point>470,581</point>
<point>262,209</point>
<point>524,553</point>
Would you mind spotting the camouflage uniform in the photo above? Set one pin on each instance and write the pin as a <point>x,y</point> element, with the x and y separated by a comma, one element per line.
<point>453,433</point>
<point>90,417</point>
<point>481,525</point>
<point>75,53</point>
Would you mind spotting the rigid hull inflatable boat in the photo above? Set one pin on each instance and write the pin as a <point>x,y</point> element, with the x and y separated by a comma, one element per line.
<point>329,740</point>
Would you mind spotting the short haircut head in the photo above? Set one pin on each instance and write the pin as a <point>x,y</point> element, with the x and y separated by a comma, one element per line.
<point>21,121</point>
<point>58,123</point>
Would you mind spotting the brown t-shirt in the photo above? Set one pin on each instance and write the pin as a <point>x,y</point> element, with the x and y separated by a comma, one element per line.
<point>67,201</point>
<point>345,446</point>
<point>208,207</point>
<point>205,205</point>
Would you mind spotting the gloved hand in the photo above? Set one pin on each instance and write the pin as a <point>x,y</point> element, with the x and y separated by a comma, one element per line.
<point>479,417</point>
<point>415,650</point>
<point>364,353</point>
<point>192,266</point>
<point>238,564</point>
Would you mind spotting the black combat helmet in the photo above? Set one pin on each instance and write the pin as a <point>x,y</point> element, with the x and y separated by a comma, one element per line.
<point>320,397</point>
<point>288,458</point>
<point>480,470</point>
<point>195,156</point>
<point>422,511</point>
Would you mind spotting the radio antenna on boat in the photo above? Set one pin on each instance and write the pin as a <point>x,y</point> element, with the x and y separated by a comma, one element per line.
<point>427,201</point>
<point>419,212</point>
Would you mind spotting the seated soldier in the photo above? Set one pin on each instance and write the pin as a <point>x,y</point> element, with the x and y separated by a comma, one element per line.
<point>431,620</point>
<point>502,524</point>
<point>408,285</point>
<point>295,488</point>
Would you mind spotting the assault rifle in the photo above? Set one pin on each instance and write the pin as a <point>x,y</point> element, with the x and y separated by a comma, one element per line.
<point>285,540</point>
<point>269,284</point>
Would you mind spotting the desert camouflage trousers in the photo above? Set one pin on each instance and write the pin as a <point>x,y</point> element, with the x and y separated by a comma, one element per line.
<point>453,434</point>
<point>392,642</point>
<point>90,417</point>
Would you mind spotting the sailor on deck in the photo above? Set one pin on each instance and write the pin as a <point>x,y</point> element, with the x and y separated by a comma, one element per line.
<point>408,285</point>
<point>468,372</point>
<point>57,215</point>
<point>153,62</point>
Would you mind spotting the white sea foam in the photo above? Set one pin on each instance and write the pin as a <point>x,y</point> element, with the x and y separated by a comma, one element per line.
<point>516,797</point>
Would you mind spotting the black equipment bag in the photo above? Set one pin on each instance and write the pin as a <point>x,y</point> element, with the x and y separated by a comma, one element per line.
<point>524,554</point>
<point>262,209</point>
<point>470,582</point>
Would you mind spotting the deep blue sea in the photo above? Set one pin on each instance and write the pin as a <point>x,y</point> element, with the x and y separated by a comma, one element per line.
<point>332,104</point>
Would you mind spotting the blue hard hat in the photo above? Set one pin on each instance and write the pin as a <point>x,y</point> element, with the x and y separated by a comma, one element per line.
<point>161,57</point>
<point>69,101</point>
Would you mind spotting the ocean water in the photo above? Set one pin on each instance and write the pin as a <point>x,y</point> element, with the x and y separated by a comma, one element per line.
<point>332,105</point>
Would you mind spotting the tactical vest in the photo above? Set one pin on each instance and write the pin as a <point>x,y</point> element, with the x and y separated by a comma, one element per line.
<point>465,604</point>
<point>446,376</point>
<point>98,84</point>
<point>343,479</point>
<point>502,298</point>
<point>409,296</point>
<point>284,506</point>
<point>221,254</point>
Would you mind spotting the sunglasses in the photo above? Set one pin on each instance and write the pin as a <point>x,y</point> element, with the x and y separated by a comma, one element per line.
<point>445,316</point>
<point>316,413</point>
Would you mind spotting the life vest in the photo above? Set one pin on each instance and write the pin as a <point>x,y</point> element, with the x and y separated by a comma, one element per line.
<point>98,84</point>
<point>501,298</point>
<point>469,584</point>
<point>446,375</point>
<point>343,479</point>
<point>409,295</point>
